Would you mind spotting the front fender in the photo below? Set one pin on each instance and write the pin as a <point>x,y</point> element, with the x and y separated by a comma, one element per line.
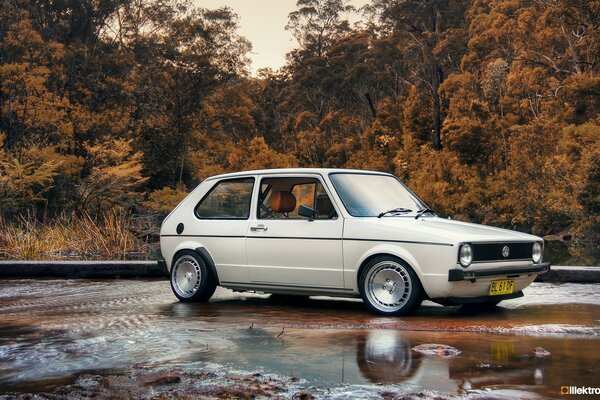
<point>393,250</point>
<point>430,264</point>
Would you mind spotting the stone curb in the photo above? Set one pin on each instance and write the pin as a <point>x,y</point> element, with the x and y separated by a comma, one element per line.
<point>83,269</point>
<point>156,269</point>
<point>571,274</point>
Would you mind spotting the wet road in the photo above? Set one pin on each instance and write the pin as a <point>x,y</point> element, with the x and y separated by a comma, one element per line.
<point>53,330</point>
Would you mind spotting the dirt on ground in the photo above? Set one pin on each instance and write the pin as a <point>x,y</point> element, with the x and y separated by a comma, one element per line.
<point>169,384</point>
<point>164,384</point>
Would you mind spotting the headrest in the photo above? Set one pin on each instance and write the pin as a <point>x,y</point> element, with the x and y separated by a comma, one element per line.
<point>283,202</point>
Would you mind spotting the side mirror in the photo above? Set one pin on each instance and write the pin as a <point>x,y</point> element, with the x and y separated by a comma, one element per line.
<point>306,211</point>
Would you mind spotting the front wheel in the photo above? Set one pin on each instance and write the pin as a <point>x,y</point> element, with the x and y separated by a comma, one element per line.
<point>190,278</point>
<point>389,286</point>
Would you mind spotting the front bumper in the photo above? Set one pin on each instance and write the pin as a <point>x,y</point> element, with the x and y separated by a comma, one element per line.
<point>457,275</point>
<point>456,301</point>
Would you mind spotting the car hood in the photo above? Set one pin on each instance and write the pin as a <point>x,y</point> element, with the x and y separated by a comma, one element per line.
<point>434,229</point>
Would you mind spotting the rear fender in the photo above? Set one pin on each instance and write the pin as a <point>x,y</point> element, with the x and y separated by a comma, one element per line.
<point>201,251</point>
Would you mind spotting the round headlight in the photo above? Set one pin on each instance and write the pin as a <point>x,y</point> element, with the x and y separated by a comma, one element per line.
<point>466,255</point>
<point>536,252</point>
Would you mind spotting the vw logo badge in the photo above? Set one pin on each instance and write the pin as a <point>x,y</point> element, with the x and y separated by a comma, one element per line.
<point>505,251</point>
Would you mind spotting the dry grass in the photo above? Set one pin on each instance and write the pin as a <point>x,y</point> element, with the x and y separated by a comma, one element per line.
<point>109,237</point>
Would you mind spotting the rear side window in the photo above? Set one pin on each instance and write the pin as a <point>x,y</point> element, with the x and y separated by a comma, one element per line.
<point>229,199</point>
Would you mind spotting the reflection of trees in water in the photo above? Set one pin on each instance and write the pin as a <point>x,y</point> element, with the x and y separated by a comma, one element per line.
<point>385,357</point>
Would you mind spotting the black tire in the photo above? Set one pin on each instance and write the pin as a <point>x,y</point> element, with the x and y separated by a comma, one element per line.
<point>191,280</point>
<point>389,286</point>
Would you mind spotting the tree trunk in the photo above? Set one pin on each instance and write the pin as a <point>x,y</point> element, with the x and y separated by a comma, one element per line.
<point>437,117</point>
<point>371,105</point>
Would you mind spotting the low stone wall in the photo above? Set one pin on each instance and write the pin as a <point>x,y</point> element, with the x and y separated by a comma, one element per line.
<point>83,269</point>
<point>157,269</point>
<point>572,274</point>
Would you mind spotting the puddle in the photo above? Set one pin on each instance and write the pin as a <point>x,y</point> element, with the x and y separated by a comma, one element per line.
<point>52,331</point>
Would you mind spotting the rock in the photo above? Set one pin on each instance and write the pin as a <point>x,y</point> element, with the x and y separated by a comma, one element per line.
<point>541,352</point>
<point>162,379</point>
<point>437,350</point>
<point>303,396</point>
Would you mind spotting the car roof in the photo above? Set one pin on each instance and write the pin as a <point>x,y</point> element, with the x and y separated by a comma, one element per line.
<point>320,171</point>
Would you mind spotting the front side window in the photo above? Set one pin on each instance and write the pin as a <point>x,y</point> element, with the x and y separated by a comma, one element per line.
<point>229,199</point>
<point>368,195</point>
<point>281,198</point>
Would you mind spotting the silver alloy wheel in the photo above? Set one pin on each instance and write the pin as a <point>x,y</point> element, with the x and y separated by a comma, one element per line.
<point>186,276</point>
<point>388,286</point>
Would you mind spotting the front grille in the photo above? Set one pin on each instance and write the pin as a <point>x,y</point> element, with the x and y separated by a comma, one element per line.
<point>493,251</point>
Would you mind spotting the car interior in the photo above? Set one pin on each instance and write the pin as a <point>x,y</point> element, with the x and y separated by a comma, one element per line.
<point>282,198</point>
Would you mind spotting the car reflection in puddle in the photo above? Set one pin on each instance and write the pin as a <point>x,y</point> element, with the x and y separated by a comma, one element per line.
<point>385,357</point>
<point>332,342</point>
<point>330,358</point>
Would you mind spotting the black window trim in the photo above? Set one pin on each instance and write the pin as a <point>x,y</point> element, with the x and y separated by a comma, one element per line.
<point>217,183</point>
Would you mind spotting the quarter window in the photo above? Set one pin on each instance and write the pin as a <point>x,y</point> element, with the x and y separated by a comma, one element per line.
<point>227,200</point>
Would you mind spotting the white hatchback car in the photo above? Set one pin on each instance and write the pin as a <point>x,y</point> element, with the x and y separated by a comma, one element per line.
<point>339,232</point>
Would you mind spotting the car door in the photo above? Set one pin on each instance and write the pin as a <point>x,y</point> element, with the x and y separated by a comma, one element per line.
<point>287,249</point>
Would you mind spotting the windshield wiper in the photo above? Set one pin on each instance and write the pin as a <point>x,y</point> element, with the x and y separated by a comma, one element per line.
<point>395,210</point>
<point>423,211</point>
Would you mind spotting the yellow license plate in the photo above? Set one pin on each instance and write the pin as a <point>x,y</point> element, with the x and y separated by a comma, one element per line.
<point>503,286</point>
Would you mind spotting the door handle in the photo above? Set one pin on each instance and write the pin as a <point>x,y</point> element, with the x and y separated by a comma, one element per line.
<point>257,228</point>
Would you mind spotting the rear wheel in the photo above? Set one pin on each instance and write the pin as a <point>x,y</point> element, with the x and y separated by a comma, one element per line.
<point>191,279</point>
<point>388,286</point>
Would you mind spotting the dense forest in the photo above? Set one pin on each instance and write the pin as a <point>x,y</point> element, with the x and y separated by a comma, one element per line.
<point>488,109</point>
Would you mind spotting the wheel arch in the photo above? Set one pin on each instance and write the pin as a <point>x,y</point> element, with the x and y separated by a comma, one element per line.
<point>202,252</point>
<point>390,251</point>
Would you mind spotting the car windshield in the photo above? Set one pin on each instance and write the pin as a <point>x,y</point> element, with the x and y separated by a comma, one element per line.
<point>369,195</point>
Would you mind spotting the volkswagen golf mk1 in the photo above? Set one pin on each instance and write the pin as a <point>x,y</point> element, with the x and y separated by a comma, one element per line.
<point>336,232</point>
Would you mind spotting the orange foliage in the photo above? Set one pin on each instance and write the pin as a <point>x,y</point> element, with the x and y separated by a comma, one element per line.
<point>94,118</point>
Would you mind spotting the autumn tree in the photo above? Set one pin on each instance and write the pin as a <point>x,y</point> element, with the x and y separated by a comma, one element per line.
<point>317,23</point>
<point>114,175</point>
<point>487,109</point>
<point>429,34</point>
<point>23,181</point>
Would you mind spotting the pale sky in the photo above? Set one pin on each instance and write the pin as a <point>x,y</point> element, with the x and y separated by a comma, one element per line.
<point>263,23</point>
